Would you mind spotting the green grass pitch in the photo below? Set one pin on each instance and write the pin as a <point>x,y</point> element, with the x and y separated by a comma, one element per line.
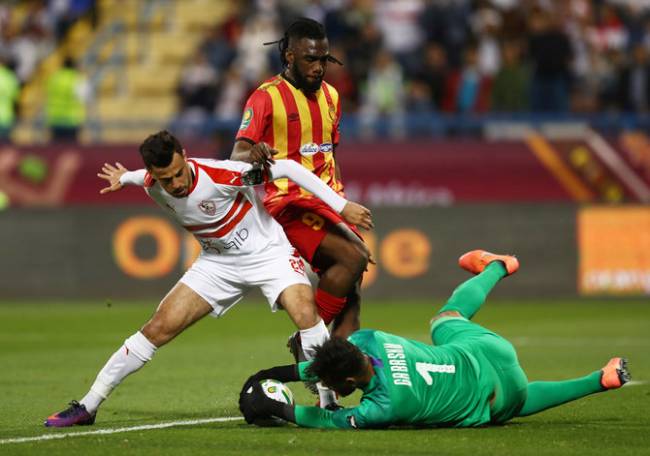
<point>51,352</point>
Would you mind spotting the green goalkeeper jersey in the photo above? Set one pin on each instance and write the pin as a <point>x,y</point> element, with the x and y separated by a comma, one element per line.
<point>414,384</point>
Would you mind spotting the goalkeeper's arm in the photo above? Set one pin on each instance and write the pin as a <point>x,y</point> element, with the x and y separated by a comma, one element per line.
<point>254,404</point>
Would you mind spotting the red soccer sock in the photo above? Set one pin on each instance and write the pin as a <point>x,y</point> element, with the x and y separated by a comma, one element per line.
<point>328,306</point>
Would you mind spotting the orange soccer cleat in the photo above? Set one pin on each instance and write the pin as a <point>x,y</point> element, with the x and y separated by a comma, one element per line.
<point>476,261</point>
<point>615,374</point>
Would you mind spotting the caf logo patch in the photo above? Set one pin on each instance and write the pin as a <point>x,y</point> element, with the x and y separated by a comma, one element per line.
<point>246,119</point>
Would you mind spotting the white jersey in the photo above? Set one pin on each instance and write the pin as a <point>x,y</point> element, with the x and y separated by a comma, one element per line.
<point>224,213</point>
<point>226,216</point>
<point>243,246</point>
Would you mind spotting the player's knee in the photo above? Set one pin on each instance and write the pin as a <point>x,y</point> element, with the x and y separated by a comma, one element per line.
<point>354,258</point>
<point>447,313</point>
<point>306,317</point>
<point>158,331</point>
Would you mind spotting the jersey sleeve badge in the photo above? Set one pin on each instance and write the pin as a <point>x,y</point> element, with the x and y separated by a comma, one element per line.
<point>246,118</point>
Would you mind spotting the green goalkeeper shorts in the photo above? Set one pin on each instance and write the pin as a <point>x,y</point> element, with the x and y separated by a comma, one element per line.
<point>496,357</point>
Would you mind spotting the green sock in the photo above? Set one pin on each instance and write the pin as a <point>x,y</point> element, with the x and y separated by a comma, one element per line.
<point>470,295</point>
<point>544,395</point>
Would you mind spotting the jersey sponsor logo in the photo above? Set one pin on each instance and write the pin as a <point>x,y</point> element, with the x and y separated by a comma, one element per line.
<point>313,148</point>
<point>397,362</point>
<point>217,246</point>
<point>237,241</point>
<point>326,147</point>
<point>309,149</point>
<point>208,207</point>
<point>246,118</point>
<point>208,245</point>
<point>352,421</point>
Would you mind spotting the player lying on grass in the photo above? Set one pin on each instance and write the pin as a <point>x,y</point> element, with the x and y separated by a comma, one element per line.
<point>243,248</point>
<point>470,376</point>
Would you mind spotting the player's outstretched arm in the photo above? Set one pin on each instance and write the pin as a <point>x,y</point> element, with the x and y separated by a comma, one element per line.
<point>260,153</point>
<point>352,212</point>
<point>118,176</point>
<point>284,374</point>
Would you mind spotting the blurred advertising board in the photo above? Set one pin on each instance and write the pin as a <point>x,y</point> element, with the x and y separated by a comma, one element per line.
<point>410,173</point>
<point>614,245</point>
<point>136,252</point>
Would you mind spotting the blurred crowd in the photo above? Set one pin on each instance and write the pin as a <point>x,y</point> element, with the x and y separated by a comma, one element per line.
<point>450,56</point>
<point>30,30</point>
<point>400,56</point>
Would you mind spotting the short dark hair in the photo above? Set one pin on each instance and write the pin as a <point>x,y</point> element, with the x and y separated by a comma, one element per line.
<point>301,28</point>
<point>158,149</point>
<point>337,359</point>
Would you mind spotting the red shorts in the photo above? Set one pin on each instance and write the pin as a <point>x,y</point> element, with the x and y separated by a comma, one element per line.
<point>306,222</point>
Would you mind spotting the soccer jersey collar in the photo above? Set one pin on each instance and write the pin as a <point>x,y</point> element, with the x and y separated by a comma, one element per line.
<point>295,86</point>
<point>377,364</point>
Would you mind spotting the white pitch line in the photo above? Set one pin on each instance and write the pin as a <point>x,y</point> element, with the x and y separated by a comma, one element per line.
<point>636,383</point>
<point>144,427</point>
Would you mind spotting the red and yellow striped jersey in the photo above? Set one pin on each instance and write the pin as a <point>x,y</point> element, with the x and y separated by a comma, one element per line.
<point>304,128</point>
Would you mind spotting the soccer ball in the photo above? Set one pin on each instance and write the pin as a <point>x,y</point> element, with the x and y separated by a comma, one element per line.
<point>277,391</point>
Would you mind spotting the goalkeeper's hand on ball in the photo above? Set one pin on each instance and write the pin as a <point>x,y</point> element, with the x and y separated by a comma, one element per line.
<point>253,403</point>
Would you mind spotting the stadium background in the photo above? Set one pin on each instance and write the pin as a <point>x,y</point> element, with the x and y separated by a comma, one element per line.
<point>516,126</point>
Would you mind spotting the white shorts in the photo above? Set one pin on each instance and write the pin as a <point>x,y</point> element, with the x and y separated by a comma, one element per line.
<point>223,280</point>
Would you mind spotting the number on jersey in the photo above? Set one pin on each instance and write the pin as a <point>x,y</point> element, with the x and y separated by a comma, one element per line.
<point>426,369</point>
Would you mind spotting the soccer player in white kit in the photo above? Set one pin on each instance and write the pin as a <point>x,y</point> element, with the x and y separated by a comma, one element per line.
<point>242,247</point>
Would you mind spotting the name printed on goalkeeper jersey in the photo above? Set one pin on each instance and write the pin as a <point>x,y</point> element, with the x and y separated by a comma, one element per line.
<point>397,361</point>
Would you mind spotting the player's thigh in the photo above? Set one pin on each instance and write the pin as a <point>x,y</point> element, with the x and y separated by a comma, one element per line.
<point>180,308</point>
<point>337,247</point>
<point>460,331</point>
<point>455,329</point>
<point>305,230</point>
<point>497,357</point>
<point>217,280</point>
<point>276,270</point>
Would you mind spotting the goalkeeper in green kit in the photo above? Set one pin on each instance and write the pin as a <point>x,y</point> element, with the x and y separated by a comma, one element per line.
<point>470,376</point>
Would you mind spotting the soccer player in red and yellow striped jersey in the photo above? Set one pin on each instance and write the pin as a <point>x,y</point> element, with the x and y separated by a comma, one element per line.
<point>295,115</point>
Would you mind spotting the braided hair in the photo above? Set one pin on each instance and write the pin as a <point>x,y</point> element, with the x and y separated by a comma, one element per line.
<point>301,28</point>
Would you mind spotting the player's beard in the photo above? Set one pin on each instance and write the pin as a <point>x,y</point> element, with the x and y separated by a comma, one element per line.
<point>306,84</point>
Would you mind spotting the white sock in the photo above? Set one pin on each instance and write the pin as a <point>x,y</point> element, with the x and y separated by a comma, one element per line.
<point>131,356</point>
<point>326,395</point>
<point>311,338</point>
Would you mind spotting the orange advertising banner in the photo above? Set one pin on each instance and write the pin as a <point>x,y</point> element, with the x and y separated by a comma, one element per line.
<point>614,250</point>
